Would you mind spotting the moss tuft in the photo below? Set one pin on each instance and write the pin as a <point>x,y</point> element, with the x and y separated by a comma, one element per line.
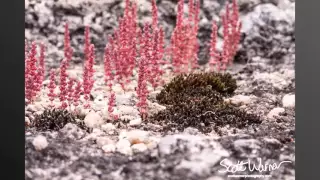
<point>56,119</point>
<point>196,100</point>
<point>213,85</point>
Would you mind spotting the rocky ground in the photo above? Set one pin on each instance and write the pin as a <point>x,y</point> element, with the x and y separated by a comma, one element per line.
<point>132,149</point>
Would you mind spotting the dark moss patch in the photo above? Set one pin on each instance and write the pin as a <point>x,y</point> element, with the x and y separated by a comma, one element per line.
<point>203,84</point>
<point>203,115</point>
<point>56,119</point>
<point>196,100</point>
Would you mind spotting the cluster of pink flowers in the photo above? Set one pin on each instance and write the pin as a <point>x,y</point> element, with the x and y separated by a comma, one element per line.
<point>131,46</point>
<point>231,37</point>
<point>184,43</point>
<point>122,48</point>
<point>67,46</point>
<point>52,86</point>
<point>88,79</point>
<point>34,71</point>
<point>63,84</point>
<point>69,88</point>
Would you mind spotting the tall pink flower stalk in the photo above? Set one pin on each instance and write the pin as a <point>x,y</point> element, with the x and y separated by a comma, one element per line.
<point>111,105</point>
<point>31,75</point>
<point>52,87</point>
<point>88,80</point>
<point>108,68</point>
<point>63,84</point>
<point>41,68</point>
<point>231,38</point>
<point>67,46</point>
<point>184,43</point>
<point>123,44</point>
<point>70,88</point>
<point>144,71</point>
<point>76,94</point>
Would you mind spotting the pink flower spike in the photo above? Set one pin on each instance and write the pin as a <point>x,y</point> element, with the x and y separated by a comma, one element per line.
<point>31,83</point>
<point>63,84</point>
<point>67,47</point>
<point>76,95</point>
<point>52,86</point>
<point>154,15</point>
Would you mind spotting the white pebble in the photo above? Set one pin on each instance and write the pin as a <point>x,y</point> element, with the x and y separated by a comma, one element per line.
<point>137,136</point>
<point>275,112</point>
<point>123,146</point>
<point>126,151</point>
<point>123,135</point>
<point>128,110</point>
<point>101,141</point>
<point>128,117</point>
<point>135,122</point>
<point>109,148</point>
<point>108,127</point>
<point>31,108</point>
<point>93,120</point>
<point>288,100</point>
<point>240,99</point>
<point>139,147</point>
<point>40,142</point>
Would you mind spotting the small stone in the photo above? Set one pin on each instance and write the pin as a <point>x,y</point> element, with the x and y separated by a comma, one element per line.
<point>101,141</point>
<point>94,135</point>
<point>137,136</point>
<point>128,117</point>
<point>117,89</point>
<point>109,148</point>
<point>153,142</point>
<point>240,100</point>
<point>135,122</point>
<point>154,108</point>
<point>154,94</point>
<point>123,143</point>
<point>40,142</point>
<point>123,135</point>
<point>72,131</point>
<point>97,131</point>
<point>31,108</point>
<point>108,127</point>
<point>93,120</point>
<point>272,141</point>
<point>288,100</point>
<point>126,151</point>
<point>28,133</point>
<point>98,105</point>
<point>124,99</point>
<point>123,146</point>
<point>128,110</point>
<point>275,112</point>
<point>139,147</point>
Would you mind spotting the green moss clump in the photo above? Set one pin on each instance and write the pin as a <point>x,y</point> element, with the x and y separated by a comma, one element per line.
<point>204,115</point>
<point>56,119</point>
<point>213,85</point>
<point>196,100</point>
